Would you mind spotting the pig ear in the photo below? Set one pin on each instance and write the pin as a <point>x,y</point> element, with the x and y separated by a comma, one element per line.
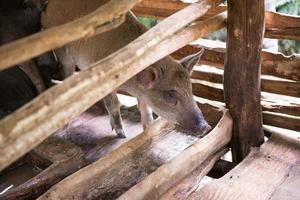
<point>148,77</point>
<point>190,61</point>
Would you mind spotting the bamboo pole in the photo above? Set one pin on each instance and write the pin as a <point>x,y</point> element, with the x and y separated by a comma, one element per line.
<point>34,122</point>
<point>104,18</point>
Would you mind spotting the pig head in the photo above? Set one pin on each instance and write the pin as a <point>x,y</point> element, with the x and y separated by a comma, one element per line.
<point>166,87</point>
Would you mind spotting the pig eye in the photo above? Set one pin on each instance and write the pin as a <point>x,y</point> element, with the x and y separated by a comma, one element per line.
<point>170,96</point>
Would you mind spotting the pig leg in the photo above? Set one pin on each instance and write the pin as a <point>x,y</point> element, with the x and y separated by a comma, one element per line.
<point>112,106</point>
<point>146,113</point>
<point>67,62</point>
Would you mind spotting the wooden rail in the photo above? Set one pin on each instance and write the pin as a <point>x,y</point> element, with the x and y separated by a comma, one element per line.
<point>280,26</point>
<point>272,119</point>
<point>104,18</point>
<point>30,125</point>
<point>274,64</point>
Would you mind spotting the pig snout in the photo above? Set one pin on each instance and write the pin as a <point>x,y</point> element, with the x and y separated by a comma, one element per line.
<point>195,122</point>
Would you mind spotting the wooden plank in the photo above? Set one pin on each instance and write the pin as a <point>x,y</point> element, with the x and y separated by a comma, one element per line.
<point>279,26</point>
<point>274,64</point>
<point>84,140</point>
<point>287,88</point>
<point>264,173</point>
<point>269,118</point>
<point>157,183</point>
<point>119,170</point>
<point>31,124</point>
<point>36,44</point>
<point>189,184</point>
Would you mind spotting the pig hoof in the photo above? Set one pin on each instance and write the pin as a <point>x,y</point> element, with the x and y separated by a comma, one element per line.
<point>121,134</point>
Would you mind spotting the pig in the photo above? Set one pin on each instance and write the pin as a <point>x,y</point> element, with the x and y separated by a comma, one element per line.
<point>165,86</point>
<point>20,84</point>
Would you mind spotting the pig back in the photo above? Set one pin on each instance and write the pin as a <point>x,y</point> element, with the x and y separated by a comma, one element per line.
<point>87,51</point>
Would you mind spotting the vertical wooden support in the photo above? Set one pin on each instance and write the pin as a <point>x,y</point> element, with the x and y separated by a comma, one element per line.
<point>242,74</point>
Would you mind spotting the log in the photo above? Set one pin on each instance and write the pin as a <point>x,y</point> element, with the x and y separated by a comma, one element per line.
<point>34,122</point>
<point>272,119</point>
<point>103,19</point>
<point>278,26</point>
<point>282,26</point>
<point>221,168</point>
<point>157,183</point>
<point>274,64</point>
<point>242,90</point>
<point>287,88</point>
<point>78,144</point>
<point>189,184</point>
<point>282,121</point>
<point>269,172</point>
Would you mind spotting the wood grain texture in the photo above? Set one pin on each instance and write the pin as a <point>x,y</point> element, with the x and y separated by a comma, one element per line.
<point>160,181</point>
<point>274,64</point>
<point>266,173</point>
<point>271,118</point>
<point>279,26</point>
<point>242,74</point>
<point>34,122</point>
<point>287,88</point>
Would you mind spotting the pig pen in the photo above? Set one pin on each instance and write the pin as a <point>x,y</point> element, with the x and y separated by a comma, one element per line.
<point>76,156</point>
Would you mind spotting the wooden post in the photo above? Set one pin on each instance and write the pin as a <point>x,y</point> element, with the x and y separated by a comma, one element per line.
<point>245,27</point>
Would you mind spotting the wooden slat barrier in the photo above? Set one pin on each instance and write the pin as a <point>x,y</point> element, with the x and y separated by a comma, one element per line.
<point>87,26</point>
<point>127,163</point>
<point>272,119</point>
<point>274,64</point>
<point>160,181</point>
<point>280,26</point>
<point>273,86</point>
<point>30,125</point>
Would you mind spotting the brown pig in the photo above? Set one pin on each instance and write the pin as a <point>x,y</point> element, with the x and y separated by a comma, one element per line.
<point>165,85</point>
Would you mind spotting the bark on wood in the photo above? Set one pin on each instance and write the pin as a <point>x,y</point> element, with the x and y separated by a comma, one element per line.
<point>287,88</point>
<point>132,161</point>
<point>275,64</point>
<point>242,74</point>
<point>104,18</point>
<point>273,119</point>
<point>34,122</point>
<point>264,174</point>
<point>60,158</point>
<point>157,183</point>
<point>185,187</point>
<point>278,25</point>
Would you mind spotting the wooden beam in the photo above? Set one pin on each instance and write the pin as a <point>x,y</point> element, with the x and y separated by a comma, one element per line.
<point>122,168</point>
<point>87,26</point>
<point>189,184</point>
<point>287,88</point>
<point>242,74</point>
<point>279,26</point>
<point>157,183</point>
<point>274,64</point>
<point>31,124</point>
<point>269,118</point>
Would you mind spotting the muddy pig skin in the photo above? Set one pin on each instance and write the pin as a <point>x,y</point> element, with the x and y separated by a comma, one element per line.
<point>19,84</point>
<point>165,86</point>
